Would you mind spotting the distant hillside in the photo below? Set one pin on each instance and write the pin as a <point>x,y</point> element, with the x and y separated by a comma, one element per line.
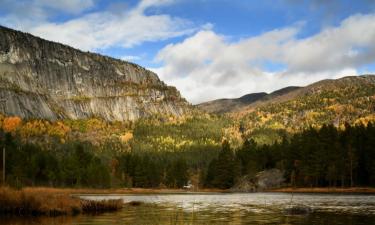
<point>346,100</point>
<point>229,105</point>
<point>237,104</point>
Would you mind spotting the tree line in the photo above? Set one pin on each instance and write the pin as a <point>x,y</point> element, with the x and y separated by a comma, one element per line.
<point>315,158</point>
<point>80,164</point>
<point>325,157</point>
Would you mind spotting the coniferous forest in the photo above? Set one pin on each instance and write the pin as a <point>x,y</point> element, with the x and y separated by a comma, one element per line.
<point>324,157</point>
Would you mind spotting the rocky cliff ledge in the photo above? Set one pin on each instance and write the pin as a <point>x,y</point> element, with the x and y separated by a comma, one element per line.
<point>43,79</point>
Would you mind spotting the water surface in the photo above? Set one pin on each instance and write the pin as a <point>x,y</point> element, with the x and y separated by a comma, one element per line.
<point>249,208</point>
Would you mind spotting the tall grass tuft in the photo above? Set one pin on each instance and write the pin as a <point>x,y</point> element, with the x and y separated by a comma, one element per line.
<point>28,202</point>
<point>89,206</point>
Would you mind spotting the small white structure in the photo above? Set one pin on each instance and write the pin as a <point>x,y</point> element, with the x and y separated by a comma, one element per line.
<point>188,186</point>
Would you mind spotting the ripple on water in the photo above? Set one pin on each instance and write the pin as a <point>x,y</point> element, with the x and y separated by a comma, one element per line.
<point>252,208</point>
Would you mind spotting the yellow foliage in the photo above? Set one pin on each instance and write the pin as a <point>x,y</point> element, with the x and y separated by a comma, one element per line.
<point>339,109</point>
<point>95,124</point>
<point>276,125</point>
<point>312,115</point>
<point>58,129</point>
<point>126,137</point>
<point>10,124</point>
<point>33,128</point>
<point>233,135</point>
<point>365,120</point>
<point>264,119</point>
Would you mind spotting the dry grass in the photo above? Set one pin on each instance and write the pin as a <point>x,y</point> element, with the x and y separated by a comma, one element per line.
<point>89,206</point>
<point>50,202</point>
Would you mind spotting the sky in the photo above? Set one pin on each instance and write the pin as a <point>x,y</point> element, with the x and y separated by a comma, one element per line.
<point>212,49</point>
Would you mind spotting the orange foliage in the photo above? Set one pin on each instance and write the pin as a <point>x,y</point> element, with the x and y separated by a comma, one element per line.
<point>10,124</point>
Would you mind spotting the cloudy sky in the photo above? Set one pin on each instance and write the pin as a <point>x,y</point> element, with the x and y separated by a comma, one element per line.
<point>212,49</point>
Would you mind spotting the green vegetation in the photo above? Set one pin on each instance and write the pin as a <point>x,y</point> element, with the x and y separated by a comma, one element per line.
<point>93,153</point>
<point>326,157</point>
<point>153,156</point>
<point>70,164</point>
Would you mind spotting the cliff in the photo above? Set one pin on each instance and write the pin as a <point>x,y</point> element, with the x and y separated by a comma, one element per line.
<point>43,79</point>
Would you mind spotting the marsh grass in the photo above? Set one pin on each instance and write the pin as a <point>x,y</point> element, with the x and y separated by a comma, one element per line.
<point>34,202</point>
<point>90,206</point>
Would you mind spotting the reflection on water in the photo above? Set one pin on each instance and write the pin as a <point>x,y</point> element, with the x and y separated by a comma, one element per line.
<point>257,208</point>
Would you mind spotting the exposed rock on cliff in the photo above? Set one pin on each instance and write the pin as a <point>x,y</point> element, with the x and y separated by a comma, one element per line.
<point>43,79</point>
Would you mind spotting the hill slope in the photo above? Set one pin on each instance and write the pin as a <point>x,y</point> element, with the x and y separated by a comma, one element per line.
<point>238,104</point>
<point>346,100</point>
<point>228,105</point>
<point>43,79</point>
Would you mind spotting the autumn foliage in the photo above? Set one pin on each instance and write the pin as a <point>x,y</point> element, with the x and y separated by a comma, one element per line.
<point>10,124</point>
<point>50,202</point>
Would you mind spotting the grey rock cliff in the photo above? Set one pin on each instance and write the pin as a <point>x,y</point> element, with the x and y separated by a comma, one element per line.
<point>43,79</point>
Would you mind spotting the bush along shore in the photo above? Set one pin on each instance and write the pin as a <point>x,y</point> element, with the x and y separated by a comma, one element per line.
<point>28,202</point>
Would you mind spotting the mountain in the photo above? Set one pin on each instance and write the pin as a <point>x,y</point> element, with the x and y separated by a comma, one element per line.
<point>346,100</point>
<point>228,105</point>
<point>43,79</point>
<point>236,104</point>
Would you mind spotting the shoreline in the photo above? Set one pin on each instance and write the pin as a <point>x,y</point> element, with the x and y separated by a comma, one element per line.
<point>325,190</point>
<point>35,202</point>
<point>89,191</point>
<point>145,191</point>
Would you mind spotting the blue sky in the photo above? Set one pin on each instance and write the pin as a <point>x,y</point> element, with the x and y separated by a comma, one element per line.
<point>211,49</point>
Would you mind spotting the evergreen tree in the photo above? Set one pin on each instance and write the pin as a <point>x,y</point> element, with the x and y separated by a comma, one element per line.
<point>225,168</point>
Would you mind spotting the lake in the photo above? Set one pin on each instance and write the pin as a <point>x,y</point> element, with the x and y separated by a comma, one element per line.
<point>247,208</point>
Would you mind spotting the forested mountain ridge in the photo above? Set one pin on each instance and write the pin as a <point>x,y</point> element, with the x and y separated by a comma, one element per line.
<point>229,105</point>
<point>238,104</point>
<point>47,80</point>
<point>346,100</point>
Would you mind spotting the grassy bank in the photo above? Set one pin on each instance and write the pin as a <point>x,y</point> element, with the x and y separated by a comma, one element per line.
<point>354,190</point>
<point>88,191</point>
<point>50,202</point>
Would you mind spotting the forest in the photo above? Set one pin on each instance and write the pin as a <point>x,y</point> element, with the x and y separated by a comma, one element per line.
<point>324,157</point>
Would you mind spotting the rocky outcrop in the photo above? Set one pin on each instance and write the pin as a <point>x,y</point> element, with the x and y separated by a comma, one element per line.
<point>263,180</point>
<point>43,79</point>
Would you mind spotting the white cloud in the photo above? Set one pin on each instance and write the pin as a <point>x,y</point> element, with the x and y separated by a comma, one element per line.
<point>144,4</point>
<point>350,44</point>
<point>22,11</point>
<point>207,66</point>
<point>99,30</point>
<point>102,30</point>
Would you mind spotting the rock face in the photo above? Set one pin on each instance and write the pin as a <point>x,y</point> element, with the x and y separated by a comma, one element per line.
<point>43,79</point>
<point>263,180</point>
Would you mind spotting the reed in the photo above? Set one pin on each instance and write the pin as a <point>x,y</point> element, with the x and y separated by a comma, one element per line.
<point>89,206</point>
<point>28,202</point>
